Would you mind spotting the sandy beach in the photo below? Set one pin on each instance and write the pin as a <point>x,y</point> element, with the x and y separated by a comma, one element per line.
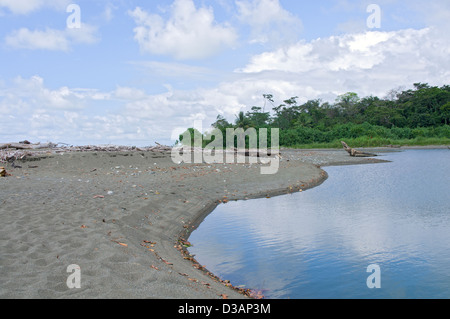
<point>123,219</point>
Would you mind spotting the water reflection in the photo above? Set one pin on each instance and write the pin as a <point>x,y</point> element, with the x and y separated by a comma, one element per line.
<point>318,244</point>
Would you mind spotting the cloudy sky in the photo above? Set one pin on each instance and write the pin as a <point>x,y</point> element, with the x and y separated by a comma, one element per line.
<point>131,72</point>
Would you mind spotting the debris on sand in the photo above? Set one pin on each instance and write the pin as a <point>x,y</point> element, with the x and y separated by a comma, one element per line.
<point>25,145</point>
<point>10,152</point>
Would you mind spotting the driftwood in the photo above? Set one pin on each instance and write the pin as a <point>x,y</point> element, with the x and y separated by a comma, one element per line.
<point>356,153</point>
<point>159,148</point>
<point>25,146</point>
<point>4,146</point>
<point>11,156</point>
<point>10,152</point>
<point>258,153</point>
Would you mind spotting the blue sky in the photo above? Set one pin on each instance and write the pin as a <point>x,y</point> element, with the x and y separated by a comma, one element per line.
<point>135,71</point>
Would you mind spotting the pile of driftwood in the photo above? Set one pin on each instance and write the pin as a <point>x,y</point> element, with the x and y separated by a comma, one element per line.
<point>10,152</point>
<point>27,146</point>
<point>356,153</point>
<point>112,148</point>
<point>13,155</point>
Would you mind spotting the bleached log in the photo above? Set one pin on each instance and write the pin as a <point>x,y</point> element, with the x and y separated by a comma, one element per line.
<point>43,145</point>
<point>4,146</point>
<point>356,153</point>
<point>21,146</point>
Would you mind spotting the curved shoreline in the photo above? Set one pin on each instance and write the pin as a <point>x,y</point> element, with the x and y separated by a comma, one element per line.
<point>198,220</point>
<point>120,218</point>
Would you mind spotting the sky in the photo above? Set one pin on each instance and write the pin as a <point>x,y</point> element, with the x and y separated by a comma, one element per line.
<point>135,72</point>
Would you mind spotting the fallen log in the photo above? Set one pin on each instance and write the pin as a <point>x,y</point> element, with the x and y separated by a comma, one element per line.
<point>24,146</point>
<point>4,146</point>
<point>267,153</point>
<point>356,153</point>
<point>19,146</point>
<point>43,145</point>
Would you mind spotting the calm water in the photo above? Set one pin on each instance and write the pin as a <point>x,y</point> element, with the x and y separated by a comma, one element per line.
<point>319,243</point>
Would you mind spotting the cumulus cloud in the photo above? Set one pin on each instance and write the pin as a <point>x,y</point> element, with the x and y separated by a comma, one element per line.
<point>33,90</point>
<point>28,6</point>
<point>370,62</point>
<point>51,39</point>
<point>189,32</point>
<point>31,110</point>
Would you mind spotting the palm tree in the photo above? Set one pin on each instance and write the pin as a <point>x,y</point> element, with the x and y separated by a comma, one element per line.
<point>242,121</point>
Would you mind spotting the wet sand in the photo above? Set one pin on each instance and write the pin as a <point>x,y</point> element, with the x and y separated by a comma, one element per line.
<point>123,219</point>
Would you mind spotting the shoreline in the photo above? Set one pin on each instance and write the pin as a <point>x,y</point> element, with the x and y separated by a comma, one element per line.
<point>120,217</point>
<point>198,220</point>
<point>381,148</point>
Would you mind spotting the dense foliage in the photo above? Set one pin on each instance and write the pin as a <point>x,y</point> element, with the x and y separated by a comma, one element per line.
<point>416,116</point>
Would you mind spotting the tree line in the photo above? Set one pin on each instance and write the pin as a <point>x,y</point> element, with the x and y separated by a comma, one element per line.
<point>416,116</point>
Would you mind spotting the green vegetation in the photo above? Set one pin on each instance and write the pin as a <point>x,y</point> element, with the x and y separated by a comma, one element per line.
<point>420,116</point>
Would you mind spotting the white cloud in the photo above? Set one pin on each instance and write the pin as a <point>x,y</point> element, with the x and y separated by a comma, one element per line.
<point>28,6</point>
<point>31,110</point>
<point>51,39</point>
<point>189,33</point>
<point>367,62</point>
<point>33,90</point>
<point>363,51</point>
<point>269,21</point>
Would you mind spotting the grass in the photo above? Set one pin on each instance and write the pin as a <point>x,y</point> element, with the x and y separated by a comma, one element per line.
<point>377,142</point>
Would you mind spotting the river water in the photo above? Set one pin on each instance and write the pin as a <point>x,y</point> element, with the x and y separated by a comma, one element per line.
<point>320,243</point>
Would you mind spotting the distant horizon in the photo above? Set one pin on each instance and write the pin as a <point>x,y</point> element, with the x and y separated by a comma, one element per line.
<point>130,73</point>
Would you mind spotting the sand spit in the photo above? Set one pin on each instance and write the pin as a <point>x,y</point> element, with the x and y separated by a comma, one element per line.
<point>124,218</point>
